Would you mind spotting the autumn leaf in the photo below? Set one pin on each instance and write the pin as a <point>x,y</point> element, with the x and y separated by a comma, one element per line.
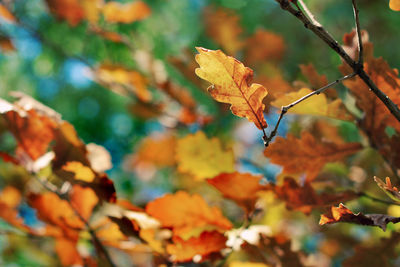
<point>125,13</point>
<point>388,188</point>
<point>6,15</point>
<point>6,44</point>
<point>307,155</point>
<point>184,213</point>
<point>123,81</point>
<point>343,214</point>
<point>240,187</point>
<point>304,198</point>
<point>32,129</point>
<point>316,105</point>
<point>264,46</point>
<point>207,243</point>
<point>223,26</point>
<point>394,5</point>
<point>10,199</point>
<point>67,252</point>
<point>231,84</point>
<point>80,171</point>
<point>70,10</point>
<point>156,150</point>
<point>203,157</point>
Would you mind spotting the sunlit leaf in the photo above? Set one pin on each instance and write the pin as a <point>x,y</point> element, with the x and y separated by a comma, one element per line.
<point>203,157</point>
<point>231,84</point>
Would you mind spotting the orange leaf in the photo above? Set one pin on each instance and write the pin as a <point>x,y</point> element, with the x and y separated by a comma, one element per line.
<point>205,244</point>
<point>203,157</point>
<point>67,252</point>
<point>394,5</point>
<point>70,10</point>
<point>33,130</point>
<point>240,187</point>
<point>83,200</point>
<point>307,154</point>
<point>6,14</point>
<point>223,26</point>
<point>183,212</point>
<point>264,46</point>
<point>231,84</point>
<point>57,212</point>
<point>156,150</point>
<point>125,13</point>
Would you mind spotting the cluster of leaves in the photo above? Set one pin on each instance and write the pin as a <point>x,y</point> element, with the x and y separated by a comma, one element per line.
<point>225,206</point>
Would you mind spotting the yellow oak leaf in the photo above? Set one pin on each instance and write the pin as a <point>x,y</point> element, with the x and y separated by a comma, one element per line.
<point>231,84</point>
<point>394,5</point>
<point>203,157</point>
<point>315,105</point>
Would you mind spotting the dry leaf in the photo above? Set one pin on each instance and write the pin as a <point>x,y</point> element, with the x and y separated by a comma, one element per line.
<point>307,155</point>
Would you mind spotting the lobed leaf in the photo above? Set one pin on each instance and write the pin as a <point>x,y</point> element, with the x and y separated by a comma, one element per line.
<point>231,84</point>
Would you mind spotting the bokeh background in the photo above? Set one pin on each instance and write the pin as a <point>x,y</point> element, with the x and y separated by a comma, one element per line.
<point>55,62</point>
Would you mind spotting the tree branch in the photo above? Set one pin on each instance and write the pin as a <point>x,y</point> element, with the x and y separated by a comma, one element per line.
<point>285,109</point>
<point>358,31</point>
<point>318,30</point>
<point>362,194</point>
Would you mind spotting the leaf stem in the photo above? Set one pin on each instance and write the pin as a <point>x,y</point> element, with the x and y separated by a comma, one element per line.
<point>285,109</point>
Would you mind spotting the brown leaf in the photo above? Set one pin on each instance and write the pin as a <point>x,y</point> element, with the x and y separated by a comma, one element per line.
<point>343,214</point>
<point>305,199</point>
<point>307,155</point>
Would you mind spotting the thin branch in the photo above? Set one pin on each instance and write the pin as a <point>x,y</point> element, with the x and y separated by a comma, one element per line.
<point>92,233</point>
<point>332,43</point>
<point>358,31</point>
<point>285,109</point>
<point>308,12</point>
<point>362,194</point>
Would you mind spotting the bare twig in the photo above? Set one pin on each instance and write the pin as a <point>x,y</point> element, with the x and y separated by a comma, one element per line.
<point>285,109</point>
<point>332,43</point>
<point>362,194</point>
<point>358,31</point>
<point>308,12</point>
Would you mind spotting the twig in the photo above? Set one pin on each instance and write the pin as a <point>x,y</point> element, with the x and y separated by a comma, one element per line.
<point>308,12</point>
<point>285,109</point>
<point>362,194</point>
<point>92,233</point>
<point>332,43</point>
<point>358,31</point>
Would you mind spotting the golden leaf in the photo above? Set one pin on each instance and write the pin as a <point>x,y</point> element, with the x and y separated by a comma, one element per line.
<point>231,84</point>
